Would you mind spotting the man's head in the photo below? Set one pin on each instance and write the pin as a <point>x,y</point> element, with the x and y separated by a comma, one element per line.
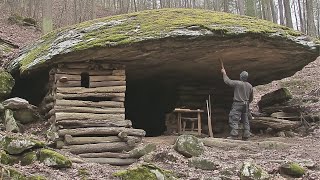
<point>244,76</point>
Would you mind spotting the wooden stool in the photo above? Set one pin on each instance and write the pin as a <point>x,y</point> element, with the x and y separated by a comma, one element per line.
<point>185,119</point>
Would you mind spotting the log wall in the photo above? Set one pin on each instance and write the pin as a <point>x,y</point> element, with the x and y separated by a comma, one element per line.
<point>86,103</point>
<point>194,96</point>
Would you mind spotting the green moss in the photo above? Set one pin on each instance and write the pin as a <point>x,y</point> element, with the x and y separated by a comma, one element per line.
<point>54,159</point>
<point>296,170</point>
<point>28,158</point>
<point>15,175</point>
<point>37,177</point>
<point>202,164</point>
<point>7,159</point>
<point>145,171</point>
<point>83,173</point>
<point>6,84</point>
<point>13,145</point>
<point>153,24</point>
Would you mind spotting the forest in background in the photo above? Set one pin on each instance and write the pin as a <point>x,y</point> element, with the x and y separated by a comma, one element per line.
<point>302,15</point>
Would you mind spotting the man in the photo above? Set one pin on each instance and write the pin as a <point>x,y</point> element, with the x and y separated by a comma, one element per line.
<point>242,97</point>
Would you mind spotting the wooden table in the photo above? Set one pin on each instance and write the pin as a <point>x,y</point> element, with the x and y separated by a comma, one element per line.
<point>179,111</point>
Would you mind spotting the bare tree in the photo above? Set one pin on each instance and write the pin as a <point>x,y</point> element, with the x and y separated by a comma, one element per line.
<point>47,24</point>
<point>250,8</point>
<point>273,12</point>
<point>287,11</point>
<point>301,17</point>
<point>241,7</point>
<point>311,28</point>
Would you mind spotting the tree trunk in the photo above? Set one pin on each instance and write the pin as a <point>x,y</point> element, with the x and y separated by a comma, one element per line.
<point>273,12</point>
<point>71,124</point>
<point>96,148</point>
<point>276,124</point>
<point>60,116</point>
<point>94,140</point>
<point>311,28</point>
<point>281,12</point>
<point>250,8</point>
<point>105,155</point>
<point>287,11</point>
<point>47,24</point>
<point>241,7</point>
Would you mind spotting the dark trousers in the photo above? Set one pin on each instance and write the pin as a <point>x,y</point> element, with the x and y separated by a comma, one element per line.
<point>239,111</point>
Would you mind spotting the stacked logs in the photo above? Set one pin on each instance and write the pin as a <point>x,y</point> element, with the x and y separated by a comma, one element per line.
<point>89,112</point>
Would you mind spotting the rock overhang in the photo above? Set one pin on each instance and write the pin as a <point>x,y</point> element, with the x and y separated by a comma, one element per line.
<point>177,43</point>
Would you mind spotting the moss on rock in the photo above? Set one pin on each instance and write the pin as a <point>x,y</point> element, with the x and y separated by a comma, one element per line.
<point>250,171</point>
<point>188,145</point>
<point>145,171</point>
<point>11,173</point>
<point>37,177</point>
<point>7,159</point>
<point>28,158</point>
<point>201,163</point>
<point>54,159</point>
<point>6,84</point>
<point>292,169</point>
<point>149,25</point>
<point>13,145</point>
<point>143,150</point>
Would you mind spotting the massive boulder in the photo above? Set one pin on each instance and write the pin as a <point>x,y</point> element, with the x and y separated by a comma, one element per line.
<point>189,146</point>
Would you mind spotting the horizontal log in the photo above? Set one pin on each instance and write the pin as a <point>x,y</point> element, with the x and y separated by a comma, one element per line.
<point>112,66</point>
<point>101,147</point>
<point>83,90</point>
<point>101,131</point>
<point>90,110</point>
<point>118,99</point>
<point>106,83</point>
<point>93,78</point>
<point>70,103</point>
<point>276,124</point>
<point>71,124</point>
<point>70,140</point>
<point>69,84</point>
<point>112,161</point>
<point>78,65</point>
<point>105,155</point>
<point>80,71</point>
<point>115,96</point>
<point>88,116</point>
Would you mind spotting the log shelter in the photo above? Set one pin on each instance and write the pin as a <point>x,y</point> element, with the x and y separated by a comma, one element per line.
<point>86,103</point>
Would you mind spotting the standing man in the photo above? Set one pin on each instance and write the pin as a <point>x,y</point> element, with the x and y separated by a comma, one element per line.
<point>242,97</point>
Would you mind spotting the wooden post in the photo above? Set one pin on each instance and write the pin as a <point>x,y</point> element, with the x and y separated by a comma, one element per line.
<point>209,120</point>
<point>199,122</point>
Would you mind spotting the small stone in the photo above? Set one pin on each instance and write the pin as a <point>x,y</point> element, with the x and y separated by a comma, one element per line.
<point>54,159</point>
<point>142,150</point>
<point>14,145</point>
<point>281,134</point>
<point>292,169</point>
<point>201,163</point>
<point>250,171</point>
<point>189,146</point>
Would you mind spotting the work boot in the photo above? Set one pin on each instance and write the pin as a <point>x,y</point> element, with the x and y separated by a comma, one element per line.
<point>245,138</point>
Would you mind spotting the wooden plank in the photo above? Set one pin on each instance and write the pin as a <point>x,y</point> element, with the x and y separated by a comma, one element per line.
<point>112,161</point>
<point>106,83</point>
<point>277,124</point>
<point>90,110</point>
<point>105,155</point>
<point>83,90</point>
<point>99,104</point>
<point>112,66</point>
<point>87,116</point>
<point>107,78</point>
<point>69,84</point>
<point>78,65</point>
<point>79,71</point>
<point>73,77</point>
<point>115,96</point>
<point>101,131</point>
<point>93,140</point>
<point>100,147</point>
<point>71,124</point>
<point>120,72</point>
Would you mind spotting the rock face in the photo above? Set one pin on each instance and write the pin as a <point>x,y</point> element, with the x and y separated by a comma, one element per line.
<point>6,84</point>
<point>250,171</point>
<point>15,146</point>
<point>188,145</point>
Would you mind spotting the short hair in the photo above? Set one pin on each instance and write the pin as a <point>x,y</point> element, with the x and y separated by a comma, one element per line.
<point>244,76</point>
